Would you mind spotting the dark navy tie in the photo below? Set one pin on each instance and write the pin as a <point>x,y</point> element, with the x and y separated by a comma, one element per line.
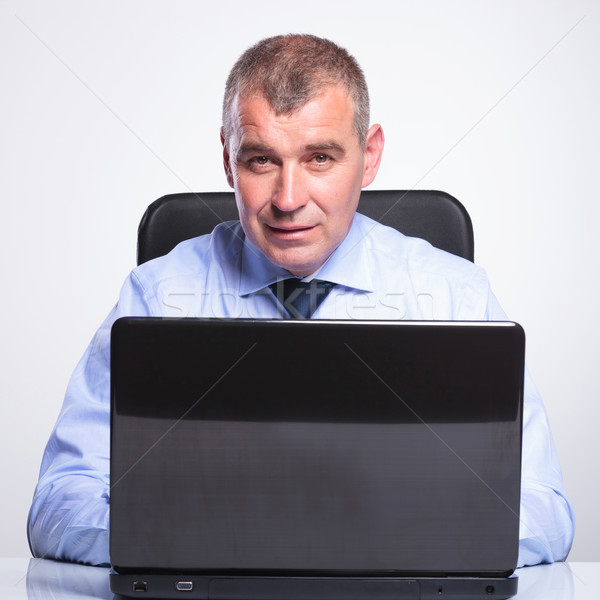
<point>301,299</point>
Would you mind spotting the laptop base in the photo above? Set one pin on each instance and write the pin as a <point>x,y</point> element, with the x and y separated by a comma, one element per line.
<point>224,587</point>
<point>247,463</point>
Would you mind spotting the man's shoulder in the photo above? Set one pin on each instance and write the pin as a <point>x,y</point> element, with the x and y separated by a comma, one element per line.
<point>196,256</point>
<point>392,248</point>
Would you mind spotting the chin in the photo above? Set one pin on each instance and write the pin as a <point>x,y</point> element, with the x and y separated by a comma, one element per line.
<point>300,269</point>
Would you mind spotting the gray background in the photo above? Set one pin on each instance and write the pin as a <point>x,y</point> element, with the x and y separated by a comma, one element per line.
<point>106,106</point>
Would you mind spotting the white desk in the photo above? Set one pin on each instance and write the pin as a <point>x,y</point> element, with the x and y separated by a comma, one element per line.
<point>37,579</point>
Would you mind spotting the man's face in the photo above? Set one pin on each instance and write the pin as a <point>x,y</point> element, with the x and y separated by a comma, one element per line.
<point>298,177</point>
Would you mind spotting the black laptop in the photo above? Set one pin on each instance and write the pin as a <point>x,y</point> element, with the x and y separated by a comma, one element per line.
<point>292,460</point>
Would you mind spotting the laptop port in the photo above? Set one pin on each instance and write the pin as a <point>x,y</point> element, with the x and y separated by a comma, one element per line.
<point>184,586</point>
<point>140,586</point>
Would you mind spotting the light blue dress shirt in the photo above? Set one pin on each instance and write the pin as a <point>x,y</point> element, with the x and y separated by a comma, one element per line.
<point>379,274</point>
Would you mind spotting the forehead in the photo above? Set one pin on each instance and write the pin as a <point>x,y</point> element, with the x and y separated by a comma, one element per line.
<point>330,114</point>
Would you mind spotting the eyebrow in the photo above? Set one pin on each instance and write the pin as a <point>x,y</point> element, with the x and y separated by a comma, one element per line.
<point>254,149</point>
<point>326,146</point>
<point>262,149</point>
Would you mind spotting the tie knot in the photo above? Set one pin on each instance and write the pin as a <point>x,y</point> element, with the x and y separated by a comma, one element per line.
<point>300,298</point>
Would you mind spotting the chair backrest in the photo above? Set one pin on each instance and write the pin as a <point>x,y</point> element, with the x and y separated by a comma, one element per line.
<point>432,215</point>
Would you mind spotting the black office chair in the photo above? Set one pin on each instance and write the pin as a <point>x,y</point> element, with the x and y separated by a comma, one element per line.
<point>434,216</point>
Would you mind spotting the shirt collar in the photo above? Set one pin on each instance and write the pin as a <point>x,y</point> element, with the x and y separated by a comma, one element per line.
<point>347,266</point>
<point>257,271</point>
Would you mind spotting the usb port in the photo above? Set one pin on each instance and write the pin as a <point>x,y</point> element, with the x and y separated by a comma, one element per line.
<point>184,586</point>
<point>140,586</point>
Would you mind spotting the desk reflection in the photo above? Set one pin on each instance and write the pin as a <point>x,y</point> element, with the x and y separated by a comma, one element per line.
<point>54,580</point>
<point>550,582</point>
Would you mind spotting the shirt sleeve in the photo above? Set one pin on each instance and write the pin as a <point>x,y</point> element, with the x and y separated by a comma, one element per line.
<point>68,519</point>
<point>547,524</point>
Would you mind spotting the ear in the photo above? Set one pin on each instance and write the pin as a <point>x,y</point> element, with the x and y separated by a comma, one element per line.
<point>226,160</point>
<point>372,153</point>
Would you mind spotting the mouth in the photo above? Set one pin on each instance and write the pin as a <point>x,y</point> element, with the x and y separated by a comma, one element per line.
<point>290,233</point>
<point>290,229</point>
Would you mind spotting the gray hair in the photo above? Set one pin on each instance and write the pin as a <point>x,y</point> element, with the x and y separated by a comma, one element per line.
<point>290,70</point>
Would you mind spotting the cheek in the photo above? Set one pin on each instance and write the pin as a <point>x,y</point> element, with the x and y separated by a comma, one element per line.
<point>248,194</point>
<point>348,179</point>
<point>342,198</point>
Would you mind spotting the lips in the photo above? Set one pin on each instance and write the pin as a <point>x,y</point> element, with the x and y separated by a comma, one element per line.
<point>290,233</point>
<point>291,229</point>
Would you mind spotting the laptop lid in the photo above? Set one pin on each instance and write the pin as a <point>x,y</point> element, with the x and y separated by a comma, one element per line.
<point>315,447</point>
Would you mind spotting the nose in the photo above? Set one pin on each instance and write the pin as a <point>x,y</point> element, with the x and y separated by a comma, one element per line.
<point>290,191</point>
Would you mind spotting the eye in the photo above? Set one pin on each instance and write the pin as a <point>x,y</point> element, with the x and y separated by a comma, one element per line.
<point>321,158</point>
<point>260,160</point>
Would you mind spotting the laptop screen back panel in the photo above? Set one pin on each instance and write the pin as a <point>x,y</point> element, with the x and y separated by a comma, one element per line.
<point>315,447</point>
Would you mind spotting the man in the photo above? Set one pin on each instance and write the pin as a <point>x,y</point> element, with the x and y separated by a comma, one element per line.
<point>297,149</point>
